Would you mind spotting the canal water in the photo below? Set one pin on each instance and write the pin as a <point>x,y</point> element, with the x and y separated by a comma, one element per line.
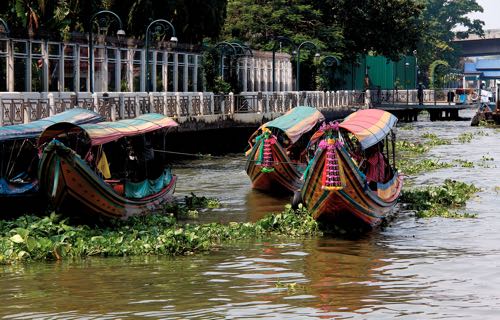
<point>414,269</point>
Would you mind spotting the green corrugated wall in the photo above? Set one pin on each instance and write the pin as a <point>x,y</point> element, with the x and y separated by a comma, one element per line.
<point>382,72</point>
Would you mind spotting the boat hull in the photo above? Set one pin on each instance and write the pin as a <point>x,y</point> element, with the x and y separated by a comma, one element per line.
<point>285,176</point>
<point>355,205</point>
<point>73,188</point>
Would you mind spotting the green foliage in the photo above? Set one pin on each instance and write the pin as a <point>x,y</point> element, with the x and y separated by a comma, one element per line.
<point>341,26</point>
<point>411,147</point>
<point>193,201</point>
<point>465,137</point>
<point>413,167</point>
<point>54,238</point>
<point>465,163</point>
<point>433,201</point>
<point>433,140</point>
<point>439,21</point>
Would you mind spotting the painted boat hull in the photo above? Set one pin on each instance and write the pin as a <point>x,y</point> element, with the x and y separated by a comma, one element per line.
<point>355,205</point>
<point>73,188</point>
<point>284,179</point>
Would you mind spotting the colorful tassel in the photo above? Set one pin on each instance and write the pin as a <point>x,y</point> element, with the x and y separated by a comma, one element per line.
<point>331,179</point>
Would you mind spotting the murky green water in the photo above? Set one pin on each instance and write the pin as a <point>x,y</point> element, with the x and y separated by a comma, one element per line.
<point>415,269</point>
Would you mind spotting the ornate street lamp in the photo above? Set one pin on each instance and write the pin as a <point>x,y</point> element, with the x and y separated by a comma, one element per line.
<point>244,49</point>
<point>330,61</point>
<point>279,40</point>
<point>160,29</point>
<point>105,19</point>
<point>309,44</point>
<point>223,45</point>
<point>6,29</point>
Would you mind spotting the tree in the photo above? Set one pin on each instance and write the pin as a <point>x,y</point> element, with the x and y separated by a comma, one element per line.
<point>440,20</point>
<point>193,19</point>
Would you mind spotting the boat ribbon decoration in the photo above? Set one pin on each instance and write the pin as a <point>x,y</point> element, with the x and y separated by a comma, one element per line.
<point>332,176</point>
<point>265,154</point>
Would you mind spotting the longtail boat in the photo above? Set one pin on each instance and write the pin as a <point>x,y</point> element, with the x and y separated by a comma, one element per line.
<point>349,182</point>
<point>19,161</point>
<point>275,159</point>
<point>110,169</point>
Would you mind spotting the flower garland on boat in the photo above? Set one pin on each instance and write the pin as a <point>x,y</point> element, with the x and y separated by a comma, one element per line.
<point>265,151</point>
<point>331,177</point>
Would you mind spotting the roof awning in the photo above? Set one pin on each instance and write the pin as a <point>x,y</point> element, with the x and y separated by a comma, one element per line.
<point>369,126</point>
<point>34,128</point>
<point>296,122</point>
<point>104,132</point>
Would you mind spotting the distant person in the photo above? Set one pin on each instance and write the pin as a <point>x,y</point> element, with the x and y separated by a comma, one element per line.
<point>420,94</point>
<point>375,166</point>
<point>451,96</point>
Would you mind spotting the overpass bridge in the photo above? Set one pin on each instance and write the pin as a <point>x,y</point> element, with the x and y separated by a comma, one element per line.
<point>476,46</point>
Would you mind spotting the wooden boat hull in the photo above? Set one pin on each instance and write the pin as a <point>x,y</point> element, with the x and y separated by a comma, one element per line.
<point>285,178</point>
<point>73,188</point>
<point>355,205</point>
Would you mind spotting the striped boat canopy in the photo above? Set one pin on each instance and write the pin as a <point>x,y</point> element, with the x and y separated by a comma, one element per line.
<point>33,129</point>
<point>369,126</point>
<point>296,122</point>
<point>104,132</point>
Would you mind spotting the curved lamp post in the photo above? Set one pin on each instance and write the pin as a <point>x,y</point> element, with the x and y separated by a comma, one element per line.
<point>161,28</point>
<point>279,40</point>
<point>5,26</point>
<point>329,61</point>
<point>104,21</point>
<point>222,45</point>
<point>243,48</point>
<point>304,44</point>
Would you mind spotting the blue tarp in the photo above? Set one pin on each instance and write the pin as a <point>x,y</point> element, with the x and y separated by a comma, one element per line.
<point>138,190</point>
<point>17,188</point>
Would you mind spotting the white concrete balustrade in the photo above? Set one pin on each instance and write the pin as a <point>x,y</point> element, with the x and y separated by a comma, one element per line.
<point>24,107</point>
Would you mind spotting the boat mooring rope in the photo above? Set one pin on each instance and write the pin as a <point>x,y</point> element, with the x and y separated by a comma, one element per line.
<point>198,155</point>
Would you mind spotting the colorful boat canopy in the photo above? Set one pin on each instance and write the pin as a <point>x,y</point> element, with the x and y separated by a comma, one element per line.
<point>296,122</point>
<point>104,132</point>
<point>369,126</point>
<point>33,129</point>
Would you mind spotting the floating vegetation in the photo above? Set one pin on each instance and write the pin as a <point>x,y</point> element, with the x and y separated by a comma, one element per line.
<point>481,133</point>
<point>413,147</point>
<point>440,201</point>
<point>464,163</point>
<point>53,238</point>
<point>412,167</point>
<point>434,140</point>
<point>193,201</point>
<point>406,127</point>
<point>465,137</point>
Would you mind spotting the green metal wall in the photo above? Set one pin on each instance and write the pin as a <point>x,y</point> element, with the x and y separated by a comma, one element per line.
<point>382,72</point>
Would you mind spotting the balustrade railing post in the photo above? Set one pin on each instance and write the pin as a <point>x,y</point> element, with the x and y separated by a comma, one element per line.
<point>95,103</point>
<point>52,104</point>
<point>1,112</point>
<point>202,103</point>
<point>231,103</point>
<point>164,97</point>
<point>190,105</point>
<point>178,104</point>
<point>121,99</point>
